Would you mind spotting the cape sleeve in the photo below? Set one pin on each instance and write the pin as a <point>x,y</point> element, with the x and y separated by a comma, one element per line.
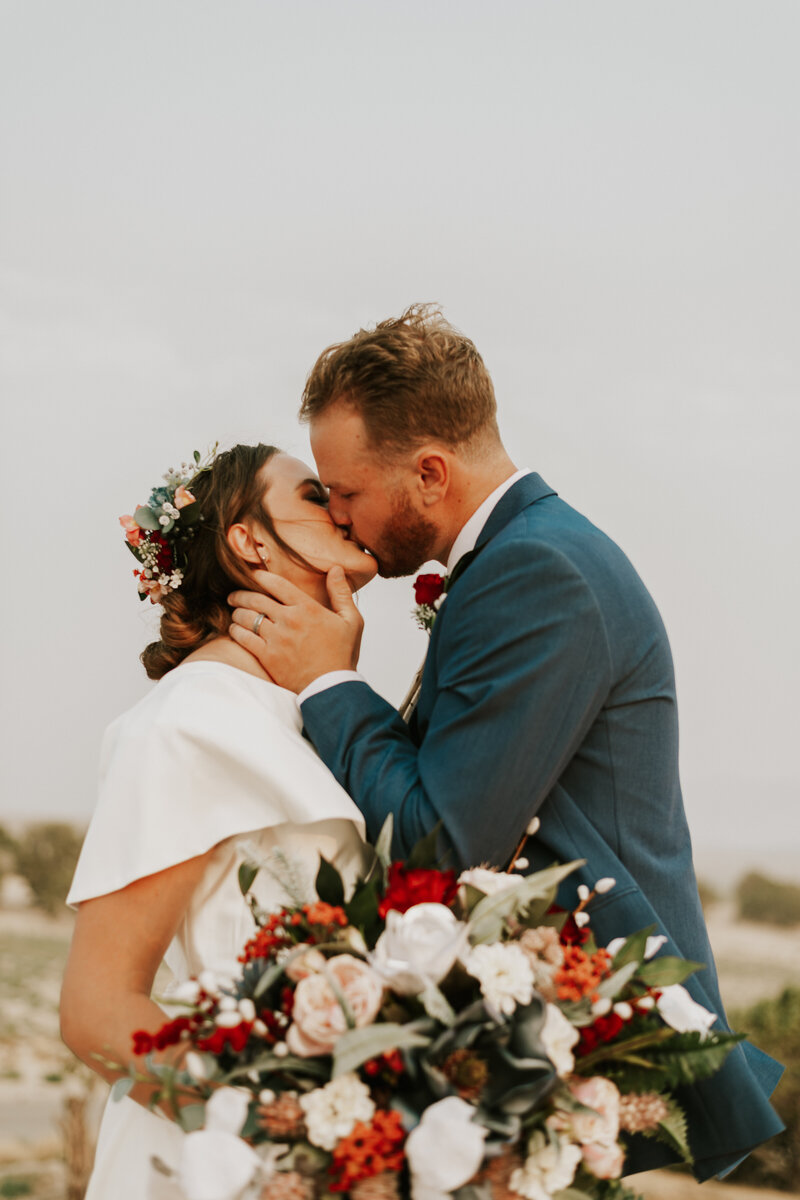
<point>193,764</point>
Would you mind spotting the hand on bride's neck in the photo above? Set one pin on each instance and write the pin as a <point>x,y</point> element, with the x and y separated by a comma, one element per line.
<point>225,650</point>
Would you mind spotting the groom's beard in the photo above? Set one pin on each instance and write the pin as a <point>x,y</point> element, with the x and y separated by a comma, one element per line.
<point>406,540</point>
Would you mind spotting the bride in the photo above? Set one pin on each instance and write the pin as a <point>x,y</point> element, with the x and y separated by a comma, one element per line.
<point>209,769</point>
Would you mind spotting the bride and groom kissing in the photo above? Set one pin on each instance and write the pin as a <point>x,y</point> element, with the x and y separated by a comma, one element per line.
<point>547,690</point>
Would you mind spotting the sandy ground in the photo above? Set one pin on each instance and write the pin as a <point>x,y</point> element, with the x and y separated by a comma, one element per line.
<point>36,1071</point>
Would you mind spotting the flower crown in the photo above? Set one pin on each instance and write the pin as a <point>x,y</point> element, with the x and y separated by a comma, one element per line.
<point>159,532</point>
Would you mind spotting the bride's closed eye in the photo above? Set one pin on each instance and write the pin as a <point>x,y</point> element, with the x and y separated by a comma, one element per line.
<point>318,495</point>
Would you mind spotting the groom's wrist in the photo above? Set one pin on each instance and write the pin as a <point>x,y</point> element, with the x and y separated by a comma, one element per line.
<point>328,680</point>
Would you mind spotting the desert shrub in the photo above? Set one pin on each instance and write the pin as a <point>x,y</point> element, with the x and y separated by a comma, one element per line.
<point>763,899</point>
<point>8,852</point>
<point>708,894</point>
<point>774,1026</point>
<point>46,856</point>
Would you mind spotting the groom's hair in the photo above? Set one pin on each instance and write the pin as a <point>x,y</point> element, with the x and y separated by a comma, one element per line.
<point>411,378</point>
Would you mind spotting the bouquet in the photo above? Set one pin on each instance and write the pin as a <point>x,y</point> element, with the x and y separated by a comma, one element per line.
<point>429,1036</point>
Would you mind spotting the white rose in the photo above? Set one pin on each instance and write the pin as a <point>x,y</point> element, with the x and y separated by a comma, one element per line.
<point>445,1150</point>
<point>682,1013</point>
<point>489,882</point>
<point>215,1164</point>
<point>418,947</point>
<point>558,1038</point>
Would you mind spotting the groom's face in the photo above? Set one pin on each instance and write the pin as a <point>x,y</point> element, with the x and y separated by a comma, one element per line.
<point>374,502</point>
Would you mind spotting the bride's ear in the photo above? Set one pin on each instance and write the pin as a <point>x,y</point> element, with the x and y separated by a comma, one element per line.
<point>247,546</point>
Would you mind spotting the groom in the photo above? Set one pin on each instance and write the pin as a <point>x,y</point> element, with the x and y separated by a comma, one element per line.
<point>548,687</point>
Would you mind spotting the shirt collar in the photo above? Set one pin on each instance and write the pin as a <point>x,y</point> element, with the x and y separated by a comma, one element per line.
<point>470,531</point>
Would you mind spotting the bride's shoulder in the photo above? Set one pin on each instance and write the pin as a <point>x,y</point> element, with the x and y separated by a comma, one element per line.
<point>205,696</point>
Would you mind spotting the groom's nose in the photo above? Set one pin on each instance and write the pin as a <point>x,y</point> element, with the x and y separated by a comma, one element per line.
<point>338,514</point>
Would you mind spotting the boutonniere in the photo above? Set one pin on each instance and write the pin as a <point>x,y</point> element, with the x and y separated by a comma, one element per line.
<point>429,593</point>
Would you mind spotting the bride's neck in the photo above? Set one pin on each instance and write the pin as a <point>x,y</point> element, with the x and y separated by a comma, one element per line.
<point>225,650</point>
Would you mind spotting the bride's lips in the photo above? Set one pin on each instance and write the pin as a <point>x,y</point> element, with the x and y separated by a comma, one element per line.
<point>348,537</point>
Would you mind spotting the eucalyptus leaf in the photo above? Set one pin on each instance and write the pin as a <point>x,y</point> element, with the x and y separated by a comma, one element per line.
<point>489,917</point>
<point>193,1117</point>
<point>145,518</point>
<point>612,986</point>
<point>328,883</point>
<point>196,456</point>
<point>437,1006</point>
<point>122,1087</point>
<point>662,971</point>
<point>358,1045</point>
<point>247,873</point>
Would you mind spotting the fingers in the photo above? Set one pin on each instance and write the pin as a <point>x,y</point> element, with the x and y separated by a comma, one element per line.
<point>263,605</point>
<point>250,641</point>
<point>274,585</point>
<point>341,596</point>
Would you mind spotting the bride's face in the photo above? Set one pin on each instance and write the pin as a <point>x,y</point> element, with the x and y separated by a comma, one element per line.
<point>298,505</point>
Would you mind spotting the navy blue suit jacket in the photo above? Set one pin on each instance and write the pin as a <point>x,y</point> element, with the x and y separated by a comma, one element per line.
<point>549,689</point>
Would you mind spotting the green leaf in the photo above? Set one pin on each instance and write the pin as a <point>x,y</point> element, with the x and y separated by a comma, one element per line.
<point>660,972</point>
<point>269,1064</point>
<point>489,917</point>
<point>193,1117</point>
<point>247,873</point>
<point>328,883</point>
<point>121,1088</point>
<point>424,853</point>
<point>436,1005</point>
<point>688,1059</point>
<point>358,1045</point>
<point>383,846</point>
<point>673,1130</point>
<point>362,907</point>
<point>634,948</point>
<point>612,986</point>
<point>197,456</point>
<point>145,518</point>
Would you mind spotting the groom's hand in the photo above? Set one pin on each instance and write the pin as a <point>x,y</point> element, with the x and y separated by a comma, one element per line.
<point>298,640</point>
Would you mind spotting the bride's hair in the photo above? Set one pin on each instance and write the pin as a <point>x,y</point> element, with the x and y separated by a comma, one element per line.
<point>231,490</point>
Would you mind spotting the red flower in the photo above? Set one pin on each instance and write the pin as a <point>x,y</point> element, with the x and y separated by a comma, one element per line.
<point>409,886</point>
<point>142,1042</point>
<point>428,588</point>
<point>221,1038</point>
<point>369,1149</point>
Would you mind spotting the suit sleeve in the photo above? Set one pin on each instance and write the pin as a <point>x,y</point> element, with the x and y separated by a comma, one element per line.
<point>523,669</point>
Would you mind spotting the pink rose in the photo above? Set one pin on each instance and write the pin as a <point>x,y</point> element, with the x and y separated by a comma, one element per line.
<point>305,964</point>
<point>601,1126</point>
<point>133,533</point>
<point>318,1018</point>
<point>183,497</point>
<point>604,1162</point>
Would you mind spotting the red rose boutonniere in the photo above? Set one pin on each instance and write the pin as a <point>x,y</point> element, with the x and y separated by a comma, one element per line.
<point>429,593</point>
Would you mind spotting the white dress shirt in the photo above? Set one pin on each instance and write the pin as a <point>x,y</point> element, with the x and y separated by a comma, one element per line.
<point>465,542</point>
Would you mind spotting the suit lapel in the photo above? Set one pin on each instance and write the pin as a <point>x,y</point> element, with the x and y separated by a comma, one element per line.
<point>525,492</point>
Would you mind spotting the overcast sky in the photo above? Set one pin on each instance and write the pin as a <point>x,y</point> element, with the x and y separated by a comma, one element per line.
<point>197,197</point>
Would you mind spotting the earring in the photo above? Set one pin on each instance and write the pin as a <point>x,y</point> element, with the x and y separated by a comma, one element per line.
<point>264,557</point>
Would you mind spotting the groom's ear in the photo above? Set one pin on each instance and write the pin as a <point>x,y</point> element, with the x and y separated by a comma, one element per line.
<point>433,475</point>
<point>245,546</point>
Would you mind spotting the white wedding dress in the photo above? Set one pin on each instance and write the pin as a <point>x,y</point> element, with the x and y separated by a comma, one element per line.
<point>211,757</point>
